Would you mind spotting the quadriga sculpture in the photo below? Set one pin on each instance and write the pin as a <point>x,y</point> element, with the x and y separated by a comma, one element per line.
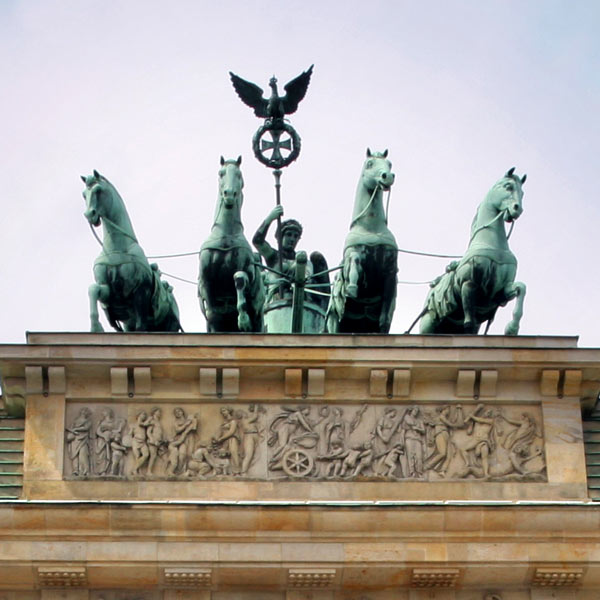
<point>471,290</point>
<point>230,286</point>
<point>364,292</point>
<point>127,286</point>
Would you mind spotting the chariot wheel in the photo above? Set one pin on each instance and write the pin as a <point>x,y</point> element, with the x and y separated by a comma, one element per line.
<point>297,463</point>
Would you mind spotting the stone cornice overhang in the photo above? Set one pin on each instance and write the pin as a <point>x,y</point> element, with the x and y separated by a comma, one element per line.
<point>426,358</point>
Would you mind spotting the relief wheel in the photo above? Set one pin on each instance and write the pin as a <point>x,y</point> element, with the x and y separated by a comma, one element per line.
<point>297,463</point>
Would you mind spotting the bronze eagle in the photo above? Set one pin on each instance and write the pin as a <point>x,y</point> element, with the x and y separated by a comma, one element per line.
<point>276,106</point>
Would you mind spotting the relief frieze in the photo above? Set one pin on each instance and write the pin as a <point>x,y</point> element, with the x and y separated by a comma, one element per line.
<point>424,442</point>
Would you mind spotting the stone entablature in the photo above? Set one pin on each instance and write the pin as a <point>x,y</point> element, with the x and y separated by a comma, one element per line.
<point>152,416</point>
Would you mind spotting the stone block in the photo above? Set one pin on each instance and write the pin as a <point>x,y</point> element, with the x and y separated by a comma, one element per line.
<point>434,578</point>
<point>465,384</point>
<point>56,380</point>
<point>62,577</point>
<point>549,382</point>
<point>572,383</point>
<point>378,383</point>
<point>293,382</point>
<point>187,577</point>
<point>488,383</point>
<point>142,379</point>
<point>401,382</point>
<point>554,577</point>
<point>208,382</point>
<point>231,382</point>
<point>34,382</point>
<point>311,578</point>
<point>316,382</point>
<point>119,381</point>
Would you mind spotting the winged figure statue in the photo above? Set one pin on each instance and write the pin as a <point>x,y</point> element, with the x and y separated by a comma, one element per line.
<point>276,106</point>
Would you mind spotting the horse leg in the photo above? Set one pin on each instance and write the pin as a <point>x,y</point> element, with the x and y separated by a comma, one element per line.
<point>428,323</point>
<point>242,284</point>
<point>389,294</point>
<point>517,290</point>
<point>467,294</point>
<point>97,293</point>
<point>353,274</point>
<point>332,324</point>
<point>203,291</point>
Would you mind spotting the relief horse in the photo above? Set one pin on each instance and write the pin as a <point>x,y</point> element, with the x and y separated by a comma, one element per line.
<point>363,296</point>
<point>230,285</point>
<point>471,290</point>
<point>127,286</point>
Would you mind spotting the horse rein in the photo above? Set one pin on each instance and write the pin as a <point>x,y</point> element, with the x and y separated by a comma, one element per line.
<point>482,227</point>
<point>113,224</point>
<point>366,208</point>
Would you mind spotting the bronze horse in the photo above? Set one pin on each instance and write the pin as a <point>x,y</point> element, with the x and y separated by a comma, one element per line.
<point>472,289</point>
<point>129,288</point>
<point>363,295</point>
<point>230,285</point>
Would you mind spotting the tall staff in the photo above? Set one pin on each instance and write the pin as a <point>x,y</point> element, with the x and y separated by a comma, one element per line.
<point>276,144</point>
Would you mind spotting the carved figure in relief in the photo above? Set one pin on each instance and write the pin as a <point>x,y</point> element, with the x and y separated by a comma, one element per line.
<point>385,429</point>
<point>414,438</point>
<point>402,442</point>
<point>182,443</point>
<point>79,442</point>
<point>201,462</point>
<point>155,437</point>
<point>393,461</point>
<point>526,432</point>
<point>251,435</point>
<point>334,460</point>
<point>118,452</point>
<point>359,459</point>
<point>229,438</point>
<point>139,441</point>
<point>482,444</point>
<point>444,449</point>
<point>289,428</point>
<point>335,430</point>
<point>104,435</point>
<point>319,428</point>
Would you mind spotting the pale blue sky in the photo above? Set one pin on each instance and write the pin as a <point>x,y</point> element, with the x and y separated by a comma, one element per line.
<point>458,92</point>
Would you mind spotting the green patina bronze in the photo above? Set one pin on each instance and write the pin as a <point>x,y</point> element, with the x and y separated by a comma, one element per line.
<point>294,301</point>
<point>230,285</point>
<point>471,290</point>
<point>364,292</point>
<point>127,286</point>
<point>284,146</point>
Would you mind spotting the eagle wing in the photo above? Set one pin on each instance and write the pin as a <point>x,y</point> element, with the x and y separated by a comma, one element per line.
<point>251,95</point>
<point>295,91</point>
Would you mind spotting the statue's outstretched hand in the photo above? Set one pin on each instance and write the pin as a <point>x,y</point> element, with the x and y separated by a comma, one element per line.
<point>275,213</point>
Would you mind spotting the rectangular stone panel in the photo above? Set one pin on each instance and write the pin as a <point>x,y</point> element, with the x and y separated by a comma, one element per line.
<point>430,442</point>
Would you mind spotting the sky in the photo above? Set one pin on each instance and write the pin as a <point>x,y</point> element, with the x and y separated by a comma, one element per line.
<point>458,91</point>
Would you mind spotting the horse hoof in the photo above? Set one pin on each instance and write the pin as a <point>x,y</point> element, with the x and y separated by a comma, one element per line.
<point>352,290</point>
<point>469,327</point>
<point>511,329</point>
<point>97,328</point>
<point>244,323</point>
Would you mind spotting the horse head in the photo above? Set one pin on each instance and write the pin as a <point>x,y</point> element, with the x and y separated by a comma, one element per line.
<point>231,184</point>
<point>507,195</point>
<point>94,190</point>
<point>377,171</point>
